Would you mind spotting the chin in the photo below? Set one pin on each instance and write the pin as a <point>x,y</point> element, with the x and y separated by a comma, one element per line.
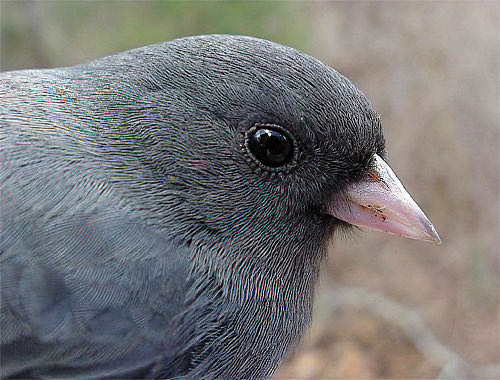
<point>338,229</point>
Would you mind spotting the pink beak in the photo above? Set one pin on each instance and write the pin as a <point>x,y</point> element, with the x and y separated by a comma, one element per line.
<point>381,203</point>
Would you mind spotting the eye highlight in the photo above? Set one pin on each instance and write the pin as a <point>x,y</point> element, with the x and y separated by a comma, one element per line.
<point>270,145</point>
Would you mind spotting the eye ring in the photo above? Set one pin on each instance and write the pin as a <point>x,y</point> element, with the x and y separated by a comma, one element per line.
<point>271,147</point>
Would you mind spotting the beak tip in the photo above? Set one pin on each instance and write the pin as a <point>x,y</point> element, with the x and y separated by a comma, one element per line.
<point>431,232</point>
<point>436,239</point>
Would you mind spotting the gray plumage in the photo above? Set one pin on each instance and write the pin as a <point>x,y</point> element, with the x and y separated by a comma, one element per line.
<point>139,239</point>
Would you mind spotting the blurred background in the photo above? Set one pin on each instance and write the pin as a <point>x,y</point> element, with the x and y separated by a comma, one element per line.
<point>387,307</point>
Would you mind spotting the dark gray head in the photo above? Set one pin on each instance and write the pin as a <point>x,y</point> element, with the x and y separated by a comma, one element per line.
<point>189,106</point>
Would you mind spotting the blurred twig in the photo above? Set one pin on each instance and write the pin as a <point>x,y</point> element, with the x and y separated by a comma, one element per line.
<point>452,365</point>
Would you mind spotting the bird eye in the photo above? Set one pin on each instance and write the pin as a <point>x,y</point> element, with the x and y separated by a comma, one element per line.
<point>270,145</point>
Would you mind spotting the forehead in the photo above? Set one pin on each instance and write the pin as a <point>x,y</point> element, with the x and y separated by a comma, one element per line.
<point>244,80</point>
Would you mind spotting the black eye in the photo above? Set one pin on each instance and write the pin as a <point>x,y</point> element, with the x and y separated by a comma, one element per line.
<point>273,147</point>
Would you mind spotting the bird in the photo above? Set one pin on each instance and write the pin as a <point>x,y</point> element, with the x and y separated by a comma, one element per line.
<point>166,210</point>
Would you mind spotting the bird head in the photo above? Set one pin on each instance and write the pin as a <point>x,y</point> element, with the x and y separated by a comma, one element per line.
<point>259,149</point>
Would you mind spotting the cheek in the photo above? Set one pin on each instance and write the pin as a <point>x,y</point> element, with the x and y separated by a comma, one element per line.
<point>302,193</point>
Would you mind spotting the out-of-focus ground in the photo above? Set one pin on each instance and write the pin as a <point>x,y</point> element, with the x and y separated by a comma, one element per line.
<point>432,71</point>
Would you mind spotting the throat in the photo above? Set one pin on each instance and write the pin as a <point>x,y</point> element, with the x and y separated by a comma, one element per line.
<point>281,277</point>
<point>246,310</point>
